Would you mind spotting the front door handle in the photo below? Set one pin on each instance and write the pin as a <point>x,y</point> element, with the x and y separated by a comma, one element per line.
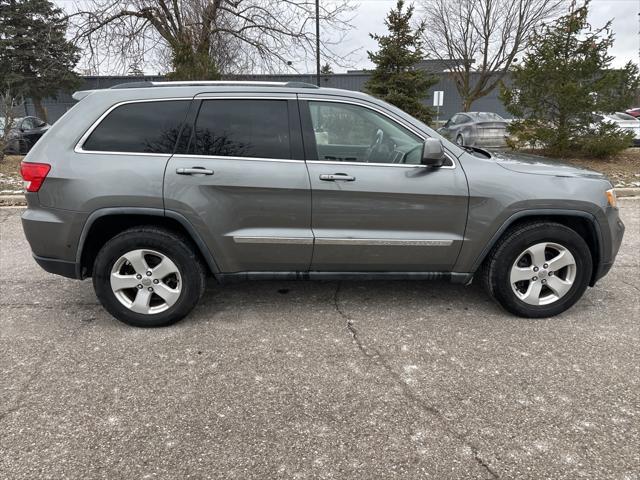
<point>337,177</point>
<point>194,171</point>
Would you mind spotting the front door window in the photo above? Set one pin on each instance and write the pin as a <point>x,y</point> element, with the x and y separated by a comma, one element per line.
<point>352,133</point>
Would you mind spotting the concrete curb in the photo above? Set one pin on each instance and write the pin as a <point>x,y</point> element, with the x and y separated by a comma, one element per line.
<point>20,201</point>
<point>12,201</point>
<point>628,192</point>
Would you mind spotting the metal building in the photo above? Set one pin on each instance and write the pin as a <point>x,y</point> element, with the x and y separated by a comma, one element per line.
<point>349,81</point>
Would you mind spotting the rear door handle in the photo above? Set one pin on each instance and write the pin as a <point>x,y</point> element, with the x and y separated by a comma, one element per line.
<point>337,177</point>
<point>194,171</point>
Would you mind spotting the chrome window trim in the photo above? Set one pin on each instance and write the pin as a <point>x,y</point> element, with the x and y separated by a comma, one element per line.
<point>221,157</point>
<point>78,148</point>
<point>256,96</point>
<point>365,164</point>
<point>412,129</point>
<point>223,96</point>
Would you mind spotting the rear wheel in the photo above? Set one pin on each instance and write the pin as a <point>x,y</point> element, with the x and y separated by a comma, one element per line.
<point>148,277</point>
<point>538,270</point>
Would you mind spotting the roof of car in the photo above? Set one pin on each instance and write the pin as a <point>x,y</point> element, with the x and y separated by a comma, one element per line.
<point>195,87</point>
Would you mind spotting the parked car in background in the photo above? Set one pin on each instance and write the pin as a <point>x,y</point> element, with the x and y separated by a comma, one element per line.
<point>634,112</point>
<point>476,129</point>
<point>25,132</point>
<point>623,121</point>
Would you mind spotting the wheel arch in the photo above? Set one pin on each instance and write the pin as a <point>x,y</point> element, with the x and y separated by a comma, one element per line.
<point>583,223</point>
<point>105,223</point>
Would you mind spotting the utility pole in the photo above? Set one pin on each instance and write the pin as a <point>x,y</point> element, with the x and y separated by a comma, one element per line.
<point>318,42</point>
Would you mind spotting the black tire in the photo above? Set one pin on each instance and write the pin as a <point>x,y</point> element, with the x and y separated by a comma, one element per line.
<point>495,273</point>
<point>460,140</point>
<point>177,248</point>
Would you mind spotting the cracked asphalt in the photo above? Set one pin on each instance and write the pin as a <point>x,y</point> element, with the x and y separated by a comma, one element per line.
<point>355,380</point>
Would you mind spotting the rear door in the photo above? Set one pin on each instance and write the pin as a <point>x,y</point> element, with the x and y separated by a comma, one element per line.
<point>375,207</point>
<point>240,178</point>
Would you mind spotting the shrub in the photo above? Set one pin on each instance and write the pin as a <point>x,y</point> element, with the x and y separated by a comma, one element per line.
<point>604,141</point>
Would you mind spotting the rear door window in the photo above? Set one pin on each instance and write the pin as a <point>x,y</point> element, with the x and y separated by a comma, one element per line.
<point>140,127</point>
<point>242,128</point>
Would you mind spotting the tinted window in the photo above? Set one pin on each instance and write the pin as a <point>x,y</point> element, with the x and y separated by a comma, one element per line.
<point>242,128</point>
<point>143,127</point>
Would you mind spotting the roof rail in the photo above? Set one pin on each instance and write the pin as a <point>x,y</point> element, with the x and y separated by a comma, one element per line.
<point>220,83</point>
<point>301,85</point>
<point>132,85</point>
<point>80,94</point>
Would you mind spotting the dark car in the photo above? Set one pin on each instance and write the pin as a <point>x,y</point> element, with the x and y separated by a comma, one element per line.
<point>476,129</point>
<point>25,132</point>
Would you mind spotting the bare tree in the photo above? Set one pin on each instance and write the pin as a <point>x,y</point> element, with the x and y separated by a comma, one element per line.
<point>9,103</point>
<point>204,38</point>
<point>478,40</point>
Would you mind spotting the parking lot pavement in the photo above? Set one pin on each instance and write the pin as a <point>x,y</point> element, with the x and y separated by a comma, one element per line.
<point>318,380</point>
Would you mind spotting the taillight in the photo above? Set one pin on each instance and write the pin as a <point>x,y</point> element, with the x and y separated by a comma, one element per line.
<point>33,175</point>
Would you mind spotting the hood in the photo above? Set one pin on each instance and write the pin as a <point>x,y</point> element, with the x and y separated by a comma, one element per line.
<point>536,165</point>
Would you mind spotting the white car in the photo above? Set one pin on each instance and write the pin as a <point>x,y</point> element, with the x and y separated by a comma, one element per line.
<point>624,121</point>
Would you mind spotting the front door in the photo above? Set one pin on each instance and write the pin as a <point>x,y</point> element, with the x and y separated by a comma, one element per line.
<point>241,180</point>
<point>375,207</point>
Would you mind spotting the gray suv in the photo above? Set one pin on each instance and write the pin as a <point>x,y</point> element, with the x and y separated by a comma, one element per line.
<point>150,187</point>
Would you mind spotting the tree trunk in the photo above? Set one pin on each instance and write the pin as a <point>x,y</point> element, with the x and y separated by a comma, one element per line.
<point>41,112</point>
<point>466,103</point>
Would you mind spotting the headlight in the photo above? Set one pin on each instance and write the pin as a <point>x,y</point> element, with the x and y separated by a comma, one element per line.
<point>612,200</point>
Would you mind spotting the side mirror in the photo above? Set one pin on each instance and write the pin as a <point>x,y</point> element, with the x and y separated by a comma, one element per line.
<point>432,153</point>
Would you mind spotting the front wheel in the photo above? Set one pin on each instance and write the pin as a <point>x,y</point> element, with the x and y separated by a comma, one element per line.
<point>148,277</point>
<point>538,270</point>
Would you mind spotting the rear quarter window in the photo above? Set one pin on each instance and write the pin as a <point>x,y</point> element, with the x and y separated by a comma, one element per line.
<point>139,127</point>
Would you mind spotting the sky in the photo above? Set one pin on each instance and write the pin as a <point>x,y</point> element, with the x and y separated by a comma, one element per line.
<point>624,13</point>
<point>369,18</point>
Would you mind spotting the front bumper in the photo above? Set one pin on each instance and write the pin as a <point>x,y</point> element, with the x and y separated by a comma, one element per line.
<point>615,230</point>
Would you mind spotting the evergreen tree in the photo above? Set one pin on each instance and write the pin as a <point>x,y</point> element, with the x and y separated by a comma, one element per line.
<point>395,78</point>
<point>326,69</point>
<point>564,79</point>
<point>36,60</point>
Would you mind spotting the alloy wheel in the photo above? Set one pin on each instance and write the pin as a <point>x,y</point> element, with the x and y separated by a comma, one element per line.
<point>146,281</point>
<point>543,273</point>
